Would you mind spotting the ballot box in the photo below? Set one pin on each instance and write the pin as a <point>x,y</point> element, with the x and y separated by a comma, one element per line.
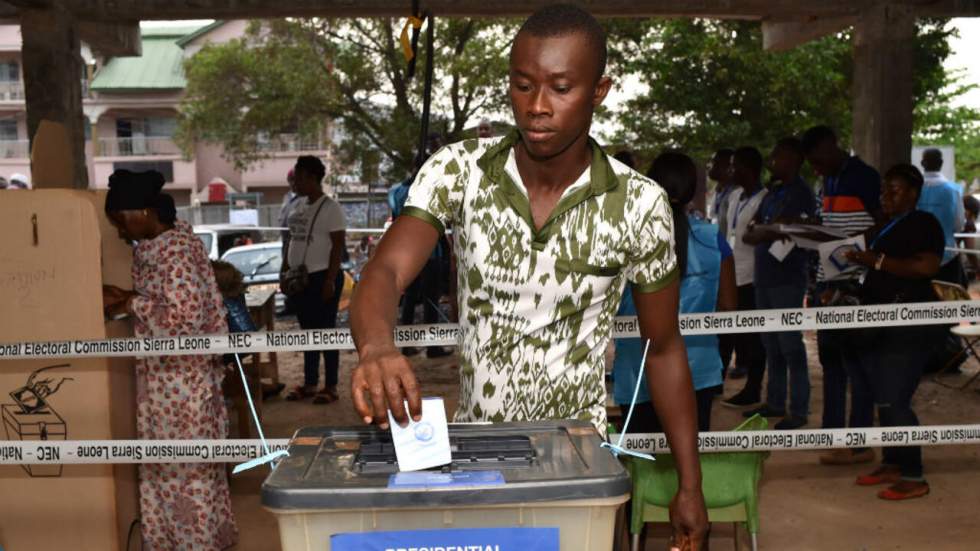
<point>543,485</point>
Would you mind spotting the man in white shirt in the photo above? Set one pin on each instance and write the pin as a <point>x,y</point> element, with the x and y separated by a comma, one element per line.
<point>750,356</point>
<point>317,238</point>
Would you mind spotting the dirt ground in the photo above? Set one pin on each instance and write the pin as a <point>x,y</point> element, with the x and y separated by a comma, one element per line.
<point>805,506</point>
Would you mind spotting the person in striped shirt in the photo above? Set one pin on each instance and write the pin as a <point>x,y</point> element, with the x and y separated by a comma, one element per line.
<point>849,201</point>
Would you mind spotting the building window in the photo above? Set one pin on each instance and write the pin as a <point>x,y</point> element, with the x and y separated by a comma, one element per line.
<point>8,130</point>
<point>149,127</point>
<point>9,71</point>
<point>163,167</point>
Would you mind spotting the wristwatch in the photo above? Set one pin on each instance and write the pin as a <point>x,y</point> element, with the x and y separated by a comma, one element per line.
<point>879,261</point>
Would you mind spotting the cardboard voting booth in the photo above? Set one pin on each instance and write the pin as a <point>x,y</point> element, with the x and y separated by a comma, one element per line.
<point>57,249</point>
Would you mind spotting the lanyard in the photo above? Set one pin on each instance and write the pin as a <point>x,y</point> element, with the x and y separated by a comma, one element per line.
<point>886,229</point>
<point>774,204</point>
<point>720,198</point>
<point>741,206</point>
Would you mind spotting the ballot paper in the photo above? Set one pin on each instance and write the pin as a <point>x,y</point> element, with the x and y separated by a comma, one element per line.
<point>833,257</point>
<point>780,249</point>
<point>805,236</point>
<point>423,444</point>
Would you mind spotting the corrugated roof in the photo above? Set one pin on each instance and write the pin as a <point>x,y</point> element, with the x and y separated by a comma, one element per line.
<point>159,68</point>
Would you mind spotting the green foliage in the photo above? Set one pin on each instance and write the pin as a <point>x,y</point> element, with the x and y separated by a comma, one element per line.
<point>710,84</point>
<point>305,76</point>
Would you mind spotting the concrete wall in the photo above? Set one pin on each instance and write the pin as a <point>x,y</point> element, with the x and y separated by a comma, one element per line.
<point>272,172</point>
<point>230,30</point>
<point>210,164</point>
<point>10,39</point>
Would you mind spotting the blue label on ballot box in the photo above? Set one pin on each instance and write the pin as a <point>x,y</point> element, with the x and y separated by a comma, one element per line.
<point>459,539</point>
<point>427,479</point>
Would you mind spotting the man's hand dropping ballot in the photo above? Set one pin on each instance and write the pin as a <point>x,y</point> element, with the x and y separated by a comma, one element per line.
<point>422,444</point>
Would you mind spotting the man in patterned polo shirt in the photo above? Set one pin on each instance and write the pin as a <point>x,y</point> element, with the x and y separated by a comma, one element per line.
<point>547,232</point>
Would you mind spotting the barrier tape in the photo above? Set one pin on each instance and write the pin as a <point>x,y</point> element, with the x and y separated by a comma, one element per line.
<point>714,323</point>
<point>82,452</point>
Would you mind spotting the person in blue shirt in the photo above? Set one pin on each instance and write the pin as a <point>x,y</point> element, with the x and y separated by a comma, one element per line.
<point>944,200</point>
<point>705,259</point>
<point>427,288</point>
<point>781,282</point>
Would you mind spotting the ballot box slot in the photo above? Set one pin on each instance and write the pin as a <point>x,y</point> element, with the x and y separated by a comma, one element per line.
<point>468,453</point>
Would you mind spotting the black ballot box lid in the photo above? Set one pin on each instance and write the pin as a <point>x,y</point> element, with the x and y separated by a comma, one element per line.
<point>346,468</point>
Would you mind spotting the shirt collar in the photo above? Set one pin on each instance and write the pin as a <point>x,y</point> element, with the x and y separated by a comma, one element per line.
<point>601,176</point>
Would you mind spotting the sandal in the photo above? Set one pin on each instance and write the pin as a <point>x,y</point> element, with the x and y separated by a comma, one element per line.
<point>885,474</point>
<point>326,396</point>
<point>300,393</point>
<point>905,489</point>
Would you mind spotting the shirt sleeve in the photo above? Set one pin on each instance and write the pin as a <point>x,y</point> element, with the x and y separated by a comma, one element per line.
<point>933,237</point>
<point>723,246</point>
<point>960,210</point>
<point>436,195</point>
<point>652,263</point>
<point>869,190</point>
<point>334,217</point>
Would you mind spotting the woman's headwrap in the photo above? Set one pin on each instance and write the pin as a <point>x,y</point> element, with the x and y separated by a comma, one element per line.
<point>133,190</point>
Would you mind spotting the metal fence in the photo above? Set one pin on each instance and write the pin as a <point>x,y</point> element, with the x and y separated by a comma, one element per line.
<point>360,213</point>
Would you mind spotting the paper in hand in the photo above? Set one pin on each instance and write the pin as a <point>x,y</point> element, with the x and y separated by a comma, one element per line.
<point>423,444</point>
<point>780,249</point>
<point>833,257</point>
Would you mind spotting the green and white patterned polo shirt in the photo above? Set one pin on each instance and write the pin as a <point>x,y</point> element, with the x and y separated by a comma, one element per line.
<point>536,307</point>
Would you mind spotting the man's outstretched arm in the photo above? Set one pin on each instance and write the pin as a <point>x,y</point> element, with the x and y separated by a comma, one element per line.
<point>382,372</point>
<point>669,381</point>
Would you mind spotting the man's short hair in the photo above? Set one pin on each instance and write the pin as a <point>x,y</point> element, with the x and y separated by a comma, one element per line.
<point>816,136</point>
<point>724,152</point>
<point>312,165</point>
<point>749,157</point>
<point>793,145</point>
<point>932,159</point>
<point>971,204</point>
<point>565,19</point>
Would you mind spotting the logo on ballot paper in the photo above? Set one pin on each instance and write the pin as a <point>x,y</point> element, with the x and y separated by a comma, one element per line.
<point>423,444</point>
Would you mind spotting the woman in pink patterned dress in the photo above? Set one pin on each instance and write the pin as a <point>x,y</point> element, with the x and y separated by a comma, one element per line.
<point>184,506</point>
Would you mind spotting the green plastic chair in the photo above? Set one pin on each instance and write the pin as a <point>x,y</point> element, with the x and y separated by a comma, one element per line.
<point>730,481</point>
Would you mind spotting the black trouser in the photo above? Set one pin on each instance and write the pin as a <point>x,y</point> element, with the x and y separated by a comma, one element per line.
<point>889,370</point>
<point>313,312</point>
<point>726,348</point>
<point>838,351</point>
<point>425,289</point>
<point>749,352</point>
<point>645,418</point>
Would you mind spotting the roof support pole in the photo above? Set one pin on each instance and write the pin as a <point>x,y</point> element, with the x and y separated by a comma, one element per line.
<point>53,92</point>
<point>882,93</point>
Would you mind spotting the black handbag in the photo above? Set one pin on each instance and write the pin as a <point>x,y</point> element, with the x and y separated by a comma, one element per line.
<point>297,278</point>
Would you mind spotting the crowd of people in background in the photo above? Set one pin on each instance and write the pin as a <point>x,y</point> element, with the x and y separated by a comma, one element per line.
<point>734,256</point>
<point>908,220</point>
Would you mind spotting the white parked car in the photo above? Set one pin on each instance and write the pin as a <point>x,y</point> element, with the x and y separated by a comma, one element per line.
<point>260,264</point>
<point>219,238</point>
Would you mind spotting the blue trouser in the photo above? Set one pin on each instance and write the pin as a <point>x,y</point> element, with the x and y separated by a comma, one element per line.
<point>891,364</point>
<point>313,312</point>
<point>785,351</point>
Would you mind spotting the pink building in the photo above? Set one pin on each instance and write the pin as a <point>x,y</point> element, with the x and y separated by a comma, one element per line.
<point>130,105</point>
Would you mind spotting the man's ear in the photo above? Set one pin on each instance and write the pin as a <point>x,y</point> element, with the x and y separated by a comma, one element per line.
<point>601,90</point>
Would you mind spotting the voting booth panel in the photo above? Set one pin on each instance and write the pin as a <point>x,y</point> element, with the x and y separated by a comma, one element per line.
<point>53,263</point>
